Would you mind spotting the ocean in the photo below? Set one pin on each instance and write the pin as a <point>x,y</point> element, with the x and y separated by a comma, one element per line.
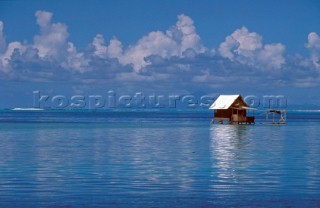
<point>173,158</point>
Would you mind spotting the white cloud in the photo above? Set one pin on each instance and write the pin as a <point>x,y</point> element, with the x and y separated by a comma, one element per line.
<point>75,61</point>
<point>190,39</point>
<point>51,45</point>
<point>100,48</point>
<point>271,56</point>
<point>6,57</point>
<point>175,55</point>
<point>114,49</point>
<point>314,48</point>
<point>43,18</point>
<point>52,40</point>
<point>247,48</point>
<point>173,42</point>
<point>240,43</point>
<point>155,43</point>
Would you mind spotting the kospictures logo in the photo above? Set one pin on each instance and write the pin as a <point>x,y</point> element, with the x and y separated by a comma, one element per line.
<point>112,100</point>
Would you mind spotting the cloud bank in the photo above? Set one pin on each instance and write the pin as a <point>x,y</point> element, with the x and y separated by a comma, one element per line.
<point>175,56</point>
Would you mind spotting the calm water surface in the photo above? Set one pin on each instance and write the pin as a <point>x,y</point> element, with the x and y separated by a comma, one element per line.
<point>93,159</point>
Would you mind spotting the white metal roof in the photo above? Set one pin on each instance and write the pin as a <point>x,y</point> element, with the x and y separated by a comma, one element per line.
<point>248,108</point>
<point>224,102</point>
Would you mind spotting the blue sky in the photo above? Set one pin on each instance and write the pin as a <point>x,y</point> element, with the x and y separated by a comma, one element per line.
<point>183,47</point>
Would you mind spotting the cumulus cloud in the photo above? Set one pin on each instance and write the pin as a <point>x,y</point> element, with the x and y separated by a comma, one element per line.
<point>52,40</point>
<point>7,50</point>
<point>155,43</point>
<point>314,48</point>
<point>12,47</point>
<point>173,42</point>
<point>181,40</point>
<point>100,48</point>
<point>271,56</point>
<point>113,50</point>
<point>75,60</point>
<point>175,55</point>
<point>51,45</point>
<point>247,48</point>
<point>189,39</point>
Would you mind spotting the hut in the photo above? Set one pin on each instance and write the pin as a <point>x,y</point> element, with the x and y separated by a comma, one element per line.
<point>232,109</point>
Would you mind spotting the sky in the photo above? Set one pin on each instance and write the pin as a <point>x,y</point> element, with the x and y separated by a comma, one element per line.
<point>203,47</point>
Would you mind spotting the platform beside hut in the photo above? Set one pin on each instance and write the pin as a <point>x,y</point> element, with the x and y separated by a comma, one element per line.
<point>231,109</point>
<point>275,116</point>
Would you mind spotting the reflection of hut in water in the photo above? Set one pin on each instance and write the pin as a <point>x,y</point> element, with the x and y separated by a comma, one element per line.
<point>232,109</point>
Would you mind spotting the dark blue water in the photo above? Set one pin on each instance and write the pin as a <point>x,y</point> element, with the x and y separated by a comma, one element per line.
<point>156,159</point>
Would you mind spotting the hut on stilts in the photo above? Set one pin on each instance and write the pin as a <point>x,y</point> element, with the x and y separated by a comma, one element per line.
<point>231,109</point>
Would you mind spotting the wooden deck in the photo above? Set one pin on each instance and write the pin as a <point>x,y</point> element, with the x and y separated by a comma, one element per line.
<point>234,120</point>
